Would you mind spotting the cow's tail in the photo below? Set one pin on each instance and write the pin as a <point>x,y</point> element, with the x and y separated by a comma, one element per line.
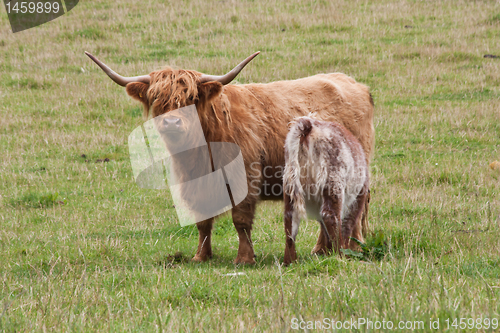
<point>291,178</point>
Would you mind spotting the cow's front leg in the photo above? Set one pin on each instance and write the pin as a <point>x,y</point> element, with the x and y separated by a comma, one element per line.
<point>364,219</point>
<point>352,226</point>
<point>321,246</point>
<point>243,215</point>
<point>204,251</point>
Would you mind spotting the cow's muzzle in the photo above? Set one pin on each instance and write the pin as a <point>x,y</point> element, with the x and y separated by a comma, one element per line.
<point>172,124</point>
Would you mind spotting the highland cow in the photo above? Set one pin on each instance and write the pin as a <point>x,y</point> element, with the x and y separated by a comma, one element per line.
<point>326,178</point>
<point>255,117</point>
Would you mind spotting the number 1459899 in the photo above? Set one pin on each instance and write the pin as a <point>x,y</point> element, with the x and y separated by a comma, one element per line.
<point>32,7</point>
<point>471,323</point>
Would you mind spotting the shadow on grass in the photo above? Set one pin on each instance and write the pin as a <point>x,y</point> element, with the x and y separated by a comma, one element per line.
<point>37,200</point>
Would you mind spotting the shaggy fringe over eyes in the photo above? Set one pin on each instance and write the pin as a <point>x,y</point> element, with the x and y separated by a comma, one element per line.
<point>171,89</point>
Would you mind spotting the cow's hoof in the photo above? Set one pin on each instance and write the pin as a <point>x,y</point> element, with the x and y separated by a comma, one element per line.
<point>247,261</point>
<point>289,257</point>
<point>198,258</point>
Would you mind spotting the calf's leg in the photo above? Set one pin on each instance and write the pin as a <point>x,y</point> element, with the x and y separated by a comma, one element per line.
<point>290,252</point>
<point>204,251</point>
<point>321,247</point>
<point>330,212</point>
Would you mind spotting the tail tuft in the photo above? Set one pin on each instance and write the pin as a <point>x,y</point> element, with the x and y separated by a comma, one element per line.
<point>291,178</point>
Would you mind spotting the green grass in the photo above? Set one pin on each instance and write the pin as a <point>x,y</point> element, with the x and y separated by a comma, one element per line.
<point>84,249</point>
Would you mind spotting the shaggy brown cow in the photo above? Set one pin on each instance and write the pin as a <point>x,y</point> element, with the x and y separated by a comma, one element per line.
<point>255,117</point>
<point>326,176</point>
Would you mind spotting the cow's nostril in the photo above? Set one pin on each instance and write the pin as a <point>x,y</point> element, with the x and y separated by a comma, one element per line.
<point>172,122</point>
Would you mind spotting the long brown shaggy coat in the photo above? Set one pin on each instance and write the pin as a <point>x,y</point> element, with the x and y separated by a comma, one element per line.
<point>255,117</point>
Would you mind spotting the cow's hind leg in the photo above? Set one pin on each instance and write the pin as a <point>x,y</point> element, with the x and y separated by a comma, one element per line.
<point>243,215</point>
<point>204,251</point>
<point>290,252</point>
<point>352,226</point>
<point>330,212</point>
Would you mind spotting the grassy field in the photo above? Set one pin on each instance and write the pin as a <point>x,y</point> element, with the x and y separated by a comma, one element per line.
<point>83,248</point>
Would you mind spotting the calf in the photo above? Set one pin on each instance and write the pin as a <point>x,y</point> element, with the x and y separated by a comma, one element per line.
<point>325,178</point>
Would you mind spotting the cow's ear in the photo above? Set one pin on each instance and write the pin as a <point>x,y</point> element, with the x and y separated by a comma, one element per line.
<point>209,90</point>
<point>138,90</point>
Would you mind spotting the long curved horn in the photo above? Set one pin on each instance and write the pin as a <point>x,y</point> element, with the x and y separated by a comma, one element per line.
<point>225,79</point>
<point>121,80</point>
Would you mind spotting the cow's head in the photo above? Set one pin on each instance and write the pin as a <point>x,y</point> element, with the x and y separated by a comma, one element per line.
<point>180,129</point>
<point>169,89</point>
